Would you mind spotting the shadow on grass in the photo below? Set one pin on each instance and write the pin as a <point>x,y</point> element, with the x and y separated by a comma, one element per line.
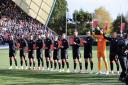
<point>59,78</point>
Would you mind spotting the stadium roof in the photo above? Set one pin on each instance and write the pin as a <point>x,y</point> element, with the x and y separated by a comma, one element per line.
<point>38,9</point>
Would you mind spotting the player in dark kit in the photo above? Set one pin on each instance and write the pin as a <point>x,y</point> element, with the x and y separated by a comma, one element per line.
<point>121,51</point>
<point>88,42</point>
<point>39,52</point>
<point>48,43</point>
<point>12,51</point>
<point>31,44</point>
<point>64,54</point>
<point>76,51</point>
<point>56,56</point>
<point>22,48</point>
<point>126,42</point>
<point>113,51</point>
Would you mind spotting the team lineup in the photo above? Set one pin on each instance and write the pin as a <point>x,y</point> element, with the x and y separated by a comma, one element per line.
<point>59,46</point>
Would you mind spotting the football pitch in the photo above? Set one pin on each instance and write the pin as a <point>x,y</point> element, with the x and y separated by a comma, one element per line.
<point>28,77</point>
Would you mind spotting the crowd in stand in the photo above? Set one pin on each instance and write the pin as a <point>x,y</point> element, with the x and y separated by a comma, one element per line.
<point>13,21</point>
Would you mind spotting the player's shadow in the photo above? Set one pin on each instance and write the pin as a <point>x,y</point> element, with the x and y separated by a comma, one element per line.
<point>64,78</point>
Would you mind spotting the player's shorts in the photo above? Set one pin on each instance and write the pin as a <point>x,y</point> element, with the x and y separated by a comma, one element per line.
<point>76,54</point>
<point>64,54</point>
<point>12,53</point>
<point>87,55</point>
<point>39,53</point>
<point>22,53</point>
<point>113,56</point>
<point>101,54</point>
<point>47,53</point>
<point>55,54</point>
<point>31,54</point>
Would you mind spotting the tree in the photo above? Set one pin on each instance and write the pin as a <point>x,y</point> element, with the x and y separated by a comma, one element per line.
<point>103,15</point>
<point>58,17</point>
<point>82,20</point>
<point>117,23</point>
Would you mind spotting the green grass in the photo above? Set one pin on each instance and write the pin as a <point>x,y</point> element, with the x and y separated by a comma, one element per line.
<point>22,77</point>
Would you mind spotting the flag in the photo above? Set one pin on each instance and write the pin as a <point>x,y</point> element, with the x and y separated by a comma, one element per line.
<point>95,23</point>
<point>59,43</point>
<point>122,27</point>
<point>106,25</point>
<point>81,41</point>
<point>52,47</point>
<point>71,40</point>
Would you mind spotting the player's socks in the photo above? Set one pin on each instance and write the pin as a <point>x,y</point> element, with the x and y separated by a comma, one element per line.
<point>47,64</point>
<point>59,64</point>
<point>15,62</point>
<point>91,63</point>
<point>111,65</point>
<point>63,64</point>
<point>38,63</point>
<point>80,64</point>
<point>55,64</point>
<point>86,65</point>
<point>67,65</point>
<point>117,66</point>
<point>51,63</point>
<point>21,63</point>
<point>26,63</point>
<point>10,62</point>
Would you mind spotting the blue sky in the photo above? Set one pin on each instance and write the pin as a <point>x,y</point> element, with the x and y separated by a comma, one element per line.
<point>115,7</point>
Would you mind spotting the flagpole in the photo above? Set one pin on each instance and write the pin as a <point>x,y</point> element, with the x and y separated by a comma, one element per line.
<point>121,19</point>
<point>66,24</point>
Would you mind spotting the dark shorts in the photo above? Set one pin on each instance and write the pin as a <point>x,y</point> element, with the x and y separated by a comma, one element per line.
<point>76,54</point>
<point>39,54</point>
<point>47,53</point>
<point>113,56</point>
<point>56,55</point>
<point>22,53</point>
<point>64,54</point>
<point>12,53</point>
<point>87,55</point>
<point>31,54</point>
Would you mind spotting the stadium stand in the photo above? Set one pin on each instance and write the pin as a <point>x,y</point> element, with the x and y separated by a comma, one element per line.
<point>14,21</point>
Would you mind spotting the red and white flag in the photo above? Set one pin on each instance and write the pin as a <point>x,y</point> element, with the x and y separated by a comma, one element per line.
<point>71,40</point>
<point>122,27</point>
<point>95,23</point>
<point>106,25</point>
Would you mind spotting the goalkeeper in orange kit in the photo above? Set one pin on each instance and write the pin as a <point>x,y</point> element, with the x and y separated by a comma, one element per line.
<point>101,51</point>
